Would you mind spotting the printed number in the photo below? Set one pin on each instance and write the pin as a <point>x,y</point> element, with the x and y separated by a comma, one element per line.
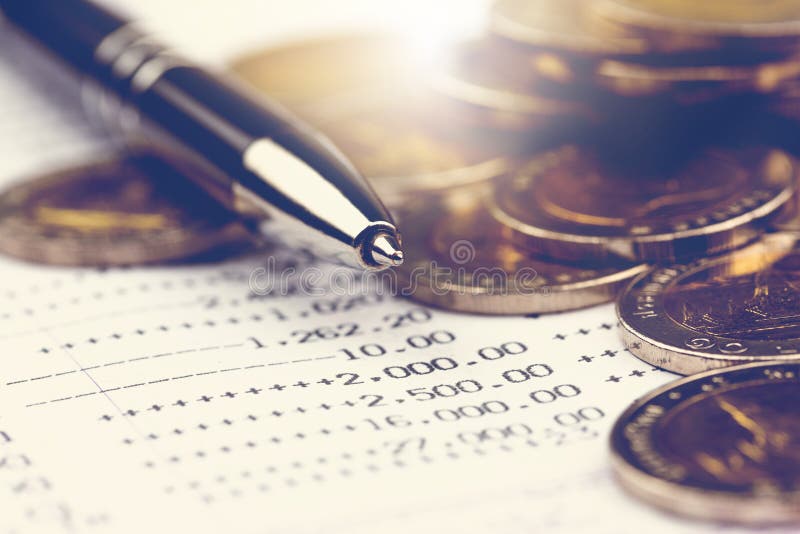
<point>518,430</point>
<point>373,350</point>
<point>567,436</point>
<point>376,400</point>
<point>31,486</point>
<point>417,444</point>
<point>584,414</point>
<point>445,390</point>
<point>546,396</point>
<point>536,370</point>
<point>16,461</point>
<point>440,337</point>
<point>325,333</point>
<point>394,421</point>
<point>470,412</point>
<point>413,316</point>
<point>420,368</point>
<point>510,348</point>
<point>324,307</point>
<point>353,378</point>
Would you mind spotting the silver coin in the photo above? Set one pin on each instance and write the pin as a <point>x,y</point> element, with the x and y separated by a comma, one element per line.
<point>721,446</point>
<point>719,311</point>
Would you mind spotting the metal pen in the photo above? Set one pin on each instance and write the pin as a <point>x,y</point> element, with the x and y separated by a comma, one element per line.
<point>254,155</point>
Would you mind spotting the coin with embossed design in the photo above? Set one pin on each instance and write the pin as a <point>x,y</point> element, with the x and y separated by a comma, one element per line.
<point>716,312</point>
<point>138,209</point>
<point>723,445</point>
<point>459,258</point>
<point>569,204</point>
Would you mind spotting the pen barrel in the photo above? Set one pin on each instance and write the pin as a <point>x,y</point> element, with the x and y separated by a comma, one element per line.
<point>252,152</point>
<point>267,160</point>
<point>70,29</point>
<point>220,121</point>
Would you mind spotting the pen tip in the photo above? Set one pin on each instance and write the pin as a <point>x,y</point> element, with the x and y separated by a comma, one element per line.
<point>385,251</point>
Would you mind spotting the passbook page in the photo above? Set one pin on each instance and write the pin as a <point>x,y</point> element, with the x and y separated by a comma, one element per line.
<point>273,394</point>
<point>241,397</point>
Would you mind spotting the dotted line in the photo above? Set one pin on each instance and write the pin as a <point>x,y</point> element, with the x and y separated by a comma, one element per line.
<point>95,296</point>
<point>230,422</point>
<point>277,412</point>
<point>395,460</point>
<point>166,285</point>
<point>225,449</point>
<point>207,301</point>
<point>326,431</point>
<point>122,362</point>
<point>231,274</point>
<point>139,332</point>
<point>315,469</point>
<point>586,331</point>
<point>172,379</point>
<point>88,319</point>
<point>320,463</point>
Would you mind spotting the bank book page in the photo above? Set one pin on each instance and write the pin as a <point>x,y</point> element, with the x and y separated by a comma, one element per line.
<point>251,396</point>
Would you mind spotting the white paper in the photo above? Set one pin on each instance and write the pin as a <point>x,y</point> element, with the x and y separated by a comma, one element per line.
<point>180,400</point>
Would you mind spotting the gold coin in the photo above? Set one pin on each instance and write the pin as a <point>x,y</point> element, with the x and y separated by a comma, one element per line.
<point>716,312</point>
<point>135,210</point>
<point>738,17</point>
<point>745,28</point>
<point>486,77</point>
<point>616,82</point>
<point>564,26</point>
<point>787,102</point>
<point>789,219</point>
<point>582,58</point>
<point>322,76</point>
<point>693,84</point>
<point>373,101</point>
<point>568,205</point>
<point>459,258</point>
<point>722,445</point>
<point>569,31</point>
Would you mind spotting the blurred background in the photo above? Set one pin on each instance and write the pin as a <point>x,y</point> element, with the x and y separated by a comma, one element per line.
<point>208,30</point>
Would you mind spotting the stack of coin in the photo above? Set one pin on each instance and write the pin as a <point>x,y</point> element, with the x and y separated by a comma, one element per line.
<point>663,75</point>
<point>435,162</point>
<point>551,146</point>
<point>638,149</point>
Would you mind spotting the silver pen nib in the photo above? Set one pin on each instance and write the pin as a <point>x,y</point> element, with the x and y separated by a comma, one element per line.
<point>385,251</point>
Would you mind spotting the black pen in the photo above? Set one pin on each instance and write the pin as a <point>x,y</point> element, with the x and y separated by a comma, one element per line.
<point>254,155</point>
